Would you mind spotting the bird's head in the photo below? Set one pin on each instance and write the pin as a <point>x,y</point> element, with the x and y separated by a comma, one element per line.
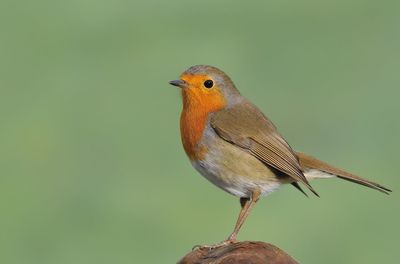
<point>206,87</point>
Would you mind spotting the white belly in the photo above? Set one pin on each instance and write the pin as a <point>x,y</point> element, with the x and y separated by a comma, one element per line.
<point>236,171</point>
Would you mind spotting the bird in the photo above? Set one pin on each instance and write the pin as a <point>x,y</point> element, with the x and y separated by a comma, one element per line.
<point>236,147</point>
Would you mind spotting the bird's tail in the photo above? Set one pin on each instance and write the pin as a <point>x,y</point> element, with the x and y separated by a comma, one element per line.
<point>316,169</point>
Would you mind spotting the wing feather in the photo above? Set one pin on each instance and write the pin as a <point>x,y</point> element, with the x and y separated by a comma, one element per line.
<point>245,126</point>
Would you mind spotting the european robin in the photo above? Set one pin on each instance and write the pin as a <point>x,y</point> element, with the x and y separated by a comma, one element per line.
<point>237,148</point>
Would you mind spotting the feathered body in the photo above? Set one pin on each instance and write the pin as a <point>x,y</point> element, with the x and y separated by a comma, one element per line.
<point>236,147</point>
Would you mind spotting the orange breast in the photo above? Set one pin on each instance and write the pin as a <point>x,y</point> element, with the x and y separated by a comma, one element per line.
<point>197,105</point>
<point>192,128</point>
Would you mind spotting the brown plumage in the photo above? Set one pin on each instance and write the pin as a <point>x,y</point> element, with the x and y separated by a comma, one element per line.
<point>308,162</point>
<point>245,126</point>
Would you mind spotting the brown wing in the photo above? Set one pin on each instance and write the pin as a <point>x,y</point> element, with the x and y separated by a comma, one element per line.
<point>245,126</point>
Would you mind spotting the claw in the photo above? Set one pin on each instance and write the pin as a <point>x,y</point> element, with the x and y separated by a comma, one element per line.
<point>195,247</point>
<point>210,247</point>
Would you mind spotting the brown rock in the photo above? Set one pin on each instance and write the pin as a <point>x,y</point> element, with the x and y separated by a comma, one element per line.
<point>246,252</point>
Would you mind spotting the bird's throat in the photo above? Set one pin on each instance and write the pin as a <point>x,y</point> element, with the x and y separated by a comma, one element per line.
<point>194,118</point>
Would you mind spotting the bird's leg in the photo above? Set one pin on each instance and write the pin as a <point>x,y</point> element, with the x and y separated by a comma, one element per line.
<point>246,206</point>
<point>244,203</point>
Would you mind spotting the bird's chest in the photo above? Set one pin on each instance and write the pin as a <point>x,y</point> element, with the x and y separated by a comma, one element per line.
<point>193,125</point>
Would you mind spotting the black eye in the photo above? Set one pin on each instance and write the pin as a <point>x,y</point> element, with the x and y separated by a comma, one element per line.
<point>208,84</point>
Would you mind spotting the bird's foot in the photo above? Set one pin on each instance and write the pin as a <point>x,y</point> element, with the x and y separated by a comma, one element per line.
<point>213,246</point>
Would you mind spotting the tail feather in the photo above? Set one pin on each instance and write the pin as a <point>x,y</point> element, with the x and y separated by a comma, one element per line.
<point>298,187</point>
<point>311,164</point>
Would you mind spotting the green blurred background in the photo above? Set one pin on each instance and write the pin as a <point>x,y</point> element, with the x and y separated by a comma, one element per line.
<point>91,164</point>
